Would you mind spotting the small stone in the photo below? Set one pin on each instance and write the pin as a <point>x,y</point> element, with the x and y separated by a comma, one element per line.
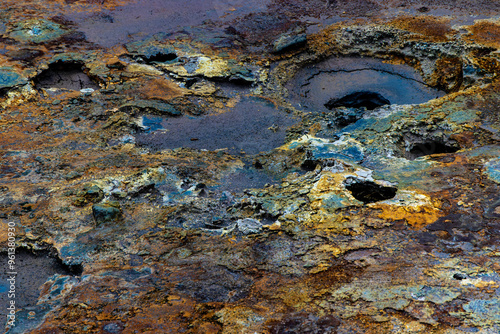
<point>106,212</point>
<point>86,91</point>
<point>274,227</point>
<point>249,226</point>
<point>113,328</point>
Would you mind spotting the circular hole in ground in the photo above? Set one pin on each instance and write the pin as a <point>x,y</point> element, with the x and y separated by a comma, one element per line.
<point>68,75</point>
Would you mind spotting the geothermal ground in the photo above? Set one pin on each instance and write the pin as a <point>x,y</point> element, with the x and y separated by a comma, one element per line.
<point>230,166</point>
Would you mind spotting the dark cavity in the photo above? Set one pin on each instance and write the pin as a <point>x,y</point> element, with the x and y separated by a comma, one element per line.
<point>368,191</point>
<point>254,125</point>
<point>364,99</point>
<point>429,147</point>
<point>68,75</point>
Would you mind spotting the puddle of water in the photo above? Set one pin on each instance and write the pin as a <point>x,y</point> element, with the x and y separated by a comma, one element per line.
<point>254,125</point>
<point>316,85</point>
<point>152,123</point>
<point>32,272</point>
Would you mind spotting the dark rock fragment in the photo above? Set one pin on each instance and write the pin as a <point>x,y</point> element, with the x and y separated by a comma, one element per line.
<point>305,323</point>
<point>106,212</point>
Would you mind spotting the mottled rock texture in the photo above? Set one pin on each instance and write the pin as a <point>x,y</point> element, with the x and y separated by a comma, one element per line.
<point>205,166</point>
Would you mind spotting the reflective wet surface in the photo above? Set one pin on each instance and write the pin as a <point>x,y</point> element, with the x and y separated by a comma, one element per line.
<point>254,125</point>
<point>330,80</point>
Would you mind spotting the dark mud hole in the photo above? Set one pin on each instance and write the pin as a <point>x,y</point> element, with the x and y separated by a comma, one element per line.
<point>69,75</point>
<point>430,147</point>
<point>368,191</point>
<point>33,269</point>
<point>337,82</point>
<point>254,125</point>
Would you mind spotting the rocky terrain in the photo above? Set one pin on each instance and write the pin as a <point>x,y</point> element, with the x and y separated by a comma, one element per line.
<point>229,166</point>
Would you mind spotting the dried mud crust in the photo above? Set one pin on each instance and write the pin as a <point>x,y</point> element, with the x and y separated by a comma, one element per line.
<point>199,179</point>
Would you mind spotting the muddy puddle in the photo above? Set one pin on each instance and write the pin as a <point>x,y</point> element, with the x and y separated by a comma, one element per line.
<point>32,272</point>
<point>337,81</point>
<point>254,125</point>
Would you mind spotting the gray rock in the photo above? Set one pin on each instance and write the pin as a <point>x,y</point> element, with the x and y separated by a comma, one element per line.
<point>249,226</point>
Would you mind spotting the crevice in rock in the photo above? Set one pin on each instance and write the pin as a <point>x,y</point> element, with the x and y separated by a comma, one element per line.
<point>369,191</point>
<point>360,70</point>
<point>160,57</point>
<point>62,74</point>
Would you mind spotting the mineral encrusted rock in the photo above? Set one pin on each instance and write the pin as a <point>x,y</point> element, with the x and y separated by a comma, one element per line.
<point>178,165</point>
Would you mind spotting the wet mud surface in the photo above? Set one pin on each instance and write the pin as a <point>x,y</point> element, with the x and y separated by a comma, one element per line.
<point>32,271</point>
<point>316,85</point>
<point>233,166</point>
<point>254,125</point>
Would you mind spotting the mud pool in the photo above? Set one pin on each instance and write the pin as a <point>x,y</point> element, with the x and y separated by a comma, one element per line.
<point>333,79</point>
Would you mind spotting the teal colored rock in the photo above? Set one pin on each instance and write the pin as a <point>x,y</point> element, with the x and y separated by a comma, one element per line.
<point>333,202</point>
<point>36,31</point>
<point>484,312</point>
<point>462,116</point>
<point>493,170</point>
<point>10,78</point>
<point>106,212</point>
